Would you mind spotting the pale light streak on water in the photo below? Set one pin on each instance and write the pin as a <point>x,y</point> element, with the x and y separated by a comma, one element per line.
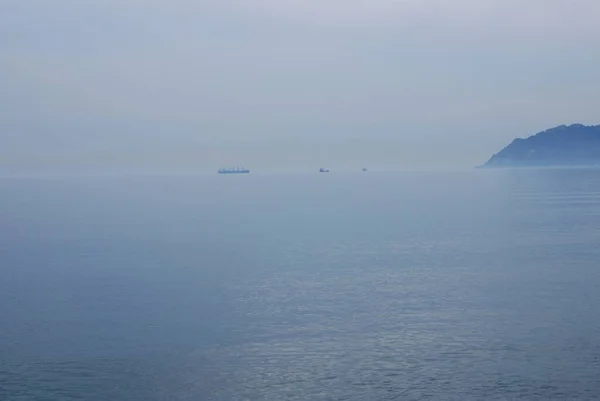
<point>458,285</point>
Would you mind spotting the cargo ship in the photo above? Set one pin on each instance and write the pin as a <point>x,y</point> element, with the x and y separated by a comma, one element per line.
<point>237,170</point>
<point>323,170</point>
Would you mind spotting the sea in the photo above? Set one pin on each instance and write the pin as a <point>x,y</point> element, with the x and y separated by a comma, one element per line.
<point>422,285</point>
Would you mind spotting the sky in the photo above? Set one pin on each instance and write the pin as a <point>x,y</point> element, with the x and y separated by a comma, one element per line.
<point>289,84</point>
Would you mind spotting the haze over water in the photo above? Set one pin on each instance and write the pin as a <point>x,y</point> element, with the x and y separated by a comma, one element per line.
<point>408,286</point>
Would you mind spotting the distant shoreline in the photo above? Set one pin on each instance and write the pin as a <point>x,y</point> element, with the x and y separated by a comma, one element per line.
<point>572,146</point>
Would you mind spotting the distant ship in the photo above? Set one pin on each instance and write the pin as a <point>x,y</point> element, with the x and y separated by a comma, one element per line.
<point>236,170</point>
<point>323,170</point>
<point>364,169</point>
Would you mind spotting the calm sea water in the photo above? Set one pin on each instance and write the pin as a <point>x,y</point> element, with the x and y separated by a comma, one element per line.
<point>377,286</point>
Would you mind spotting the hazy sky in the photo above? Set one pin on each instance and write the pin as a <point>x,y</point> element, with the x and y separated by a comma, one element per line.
<point>288,83</point>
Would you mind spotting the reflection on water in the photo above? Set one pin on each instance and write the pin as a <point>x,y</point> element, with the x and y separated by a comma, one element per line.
<point>470,285</point>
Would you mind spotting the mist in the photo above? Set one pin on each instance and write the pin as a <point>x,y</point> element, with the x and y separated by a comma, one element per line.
<point>288,86</point>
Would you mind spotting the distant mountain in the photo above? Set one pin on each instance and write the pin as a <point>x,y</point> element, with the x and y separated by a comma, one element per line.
<point>573,145</point>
